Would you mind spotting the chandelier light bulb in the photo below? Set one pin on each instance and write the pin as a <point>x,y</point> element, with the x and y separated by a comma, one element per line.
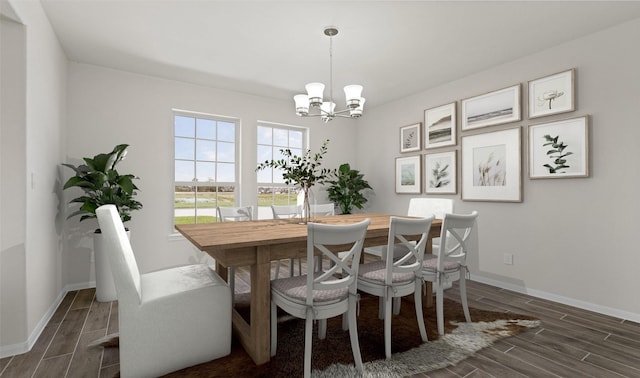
<point>353,93</point>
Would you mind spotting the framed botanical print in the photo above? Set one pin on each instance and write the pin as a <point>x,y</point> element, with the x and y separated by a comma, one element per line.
<point>493,108</point>
<point>440,126</point>
<point>440,173</point>
<point>410,138</point>
<point>552,94</point>
<point>559,149</point>
<point>408,178</point>
<point>491,166</point>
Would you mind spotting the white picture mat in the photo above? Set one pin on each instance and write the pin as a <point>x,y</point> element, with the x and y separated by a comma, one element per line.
<point>434,120</point>
<point>573,133</point>
<point>408,168</point>
<point>555,84</point>
<point>510,139</point>
<point>443,158</point>
<point>486,110</point>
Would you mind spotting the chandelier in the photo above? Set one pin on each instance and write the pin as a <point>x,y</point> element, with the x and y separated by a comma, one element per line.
<point>326,109</point>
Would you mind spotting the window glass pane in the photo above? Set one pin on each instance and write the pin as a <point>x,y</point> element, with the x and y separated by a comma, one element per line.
<point>184,170</point>
<point>264,175</point>
<point>184,126</point>
<point>226,152</point>
<point>226,131</point>
<point>184,148</point>
<point>295,139</point>
<point>205,150</point>
<point>206,171</point>
<point>296,152</point>
<point>184,205</point>
<point>226,196</point>
<point>206,128</point>
<point>265,196</point>
<point>280,137</point>
<point>264,154</point>
<point>264,135</point>
<point>277,153</point>
<point>226,172</point>
<point>277,176</point>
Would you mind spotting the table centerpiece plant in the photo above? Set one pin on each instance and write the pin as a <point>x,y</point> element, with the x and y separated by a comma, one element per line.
<point>304,171</point>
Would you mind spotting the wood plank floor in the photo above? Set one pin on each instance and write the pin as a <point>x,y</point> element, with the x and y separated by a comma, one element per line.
<point>570,343</point>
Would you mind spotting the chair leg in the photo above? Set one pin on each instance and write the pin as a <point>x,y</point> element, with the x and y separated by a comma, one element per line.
<point>388,303</point>
<point>353,334</point>
<point>274,328</point>
<point>308,338</point>
<point>291,267</point>
<point>380,307</point>
<point>417,295</point>
<point>463,297</point>
<point>322,329</point>
<point>439,309</point>
<point>345,322</point>
<point>232,284</point>
<point>396,305</point>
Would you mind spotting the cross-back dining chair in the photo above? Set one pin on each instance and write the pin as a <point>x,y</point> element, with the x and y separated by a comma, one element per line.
<point>287,212</point>
<point>395,278</point>
<point>451,263</point>
<point>322,295</point>
<point>234,214</point>
<point>323,210</point>
<point>167,319</point>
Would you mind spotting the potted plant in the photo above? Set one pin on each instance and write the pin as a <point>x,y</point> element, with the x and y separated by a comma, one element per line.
<point>346,188</point>
<point>102,184</point>
<point>303,171</point>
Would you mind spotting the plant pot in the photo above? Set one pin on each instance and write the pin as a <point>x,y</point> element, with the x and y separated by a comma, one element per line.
<point>105,286</point>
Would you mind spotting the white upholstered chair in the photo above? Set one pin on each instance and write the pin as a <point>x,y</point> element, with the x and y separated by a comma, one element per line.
<point>287,212</point>
<point>451,263</point>
<point>168,319</point>
<point>233,214</point>
<point>323,295</point>
<point>394,278</point>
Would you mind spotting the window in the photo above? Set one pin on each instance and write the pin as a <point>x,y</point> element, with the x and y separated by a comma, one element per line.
<point>205,169</point>
<point>271,187</point>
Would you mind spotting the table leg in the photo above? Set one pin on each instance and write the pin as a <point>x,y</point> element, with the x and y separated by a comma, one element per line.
<point>261,307</point>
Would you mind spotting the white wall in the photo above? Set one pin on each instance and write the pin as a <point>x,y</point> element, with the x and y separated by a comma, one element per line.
<point>108,107</point>
<point>572,239</point>
<point>32,155</point>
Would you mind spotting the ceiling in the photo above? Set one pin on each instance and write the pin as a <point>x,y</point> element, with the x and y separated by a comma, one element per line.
<point>273,48</point>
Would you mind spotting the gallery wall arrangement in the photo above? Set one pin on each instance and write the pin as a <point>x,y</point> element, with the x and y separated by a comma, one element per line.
<point>490,164</point>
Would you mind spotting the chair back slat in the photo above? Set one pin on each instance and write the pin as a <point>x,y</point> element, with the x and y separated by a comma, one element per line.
<point>320,237</point>
<point>399,231</point>
<point>234,214</point>
<point>456,246</point>
<point>286,211</point>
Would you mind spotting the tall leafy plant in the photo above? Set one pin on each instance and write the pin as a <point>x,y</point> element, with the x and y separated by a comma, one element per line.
<point>102,184</point>
<point>346,189</point>
<point>303,171</point>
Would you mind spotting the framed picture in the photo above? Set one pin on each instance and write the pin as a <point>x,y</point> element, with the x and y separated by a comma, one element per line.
<point>493,108</point>
<point>408,179</point>
<point>559,149</point>
<point>410,138</point>
<point>440,126</point>
<point>552,94</point>
<point>491,166</point>
<point>440,173</point>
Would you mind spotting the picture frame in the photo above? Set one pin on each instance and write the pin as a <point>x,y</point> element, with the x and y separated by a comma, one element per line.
<point>491,166</point>
<point>493,108</point>
<point>440,125</point>
<point>552,94</point>
<point>559,149</point>
<point>408,174</point>
<point>440,172</point>
<point>410,138</point>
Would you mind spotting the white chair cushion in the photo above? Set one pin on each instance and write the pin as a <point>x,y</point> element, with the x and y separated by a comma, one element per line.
<point>376,272</point>
<point>177,280</point>
<point>295,288</point>
<point>431,264</point>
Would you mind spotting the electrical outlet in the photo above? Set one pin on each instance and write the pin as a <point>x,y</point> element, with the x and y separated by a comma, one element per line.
<point>508,258</point>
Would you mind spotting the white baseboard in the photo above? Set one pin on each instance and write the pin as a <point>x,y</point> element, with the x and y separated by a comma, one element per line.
<point>25,346</point>
<point>560,299</point>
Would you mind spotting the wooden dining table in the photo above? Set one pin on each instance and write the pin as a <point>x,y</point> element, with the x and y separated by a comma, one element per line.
<point>256,244</point>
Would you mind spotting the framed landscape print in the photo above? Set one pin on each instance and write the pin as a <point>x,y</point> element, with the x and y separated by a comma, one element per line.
<point>410,138</point>
<point>440,173</point>
<point>440,126</point>
<point>552,94</point>
<point>559,149</point>
<point>408,179</point>
<point>493,108</point>
<point>491,166</point>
